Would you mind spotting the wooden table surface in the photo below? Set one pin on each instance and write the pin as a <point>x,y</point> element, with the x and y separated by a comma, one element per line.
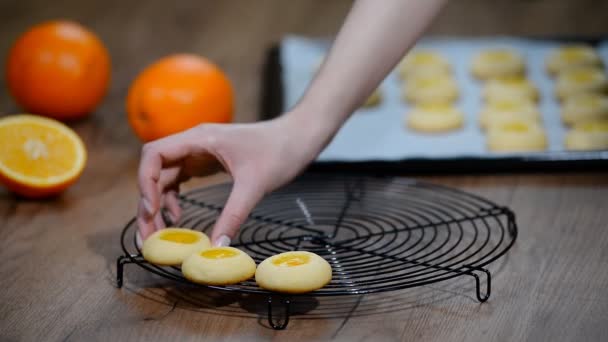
<point>57,271</point>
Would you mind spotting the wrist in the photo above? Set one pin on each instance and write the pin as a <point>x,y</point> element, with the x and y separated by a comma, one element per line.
<point>308,129</point>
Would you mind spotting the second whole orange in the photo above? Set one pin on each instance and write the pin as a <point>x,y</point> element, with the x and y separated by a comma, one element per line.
<point>176,93</point>
<point>59,69</point>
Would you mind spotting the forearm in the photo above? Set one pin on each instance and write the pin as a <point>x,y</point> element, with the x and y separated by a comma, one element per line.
<point>374,37</point>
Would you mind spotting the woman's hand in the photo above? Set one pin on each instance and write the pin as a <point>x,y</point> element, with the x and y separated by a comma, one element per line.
<point>259,156</point>
<point>263,156</point>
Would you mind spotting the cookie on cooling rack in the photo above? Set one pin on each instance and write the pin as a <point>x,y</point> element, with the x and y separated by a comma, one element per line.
<point>516,135</point>
<point>423,63</point>
<point>293,272</point>
<point>571,57</point>
<point>497,63</point>
<point>584,107</point>
<point>509,88</point>
<point>581,80</point>
<point>591,135</point>
<point>499,111</point>
<point>434,118</point>
<point>218,266</point>
<point>170,246</point>
<point>430,89</point>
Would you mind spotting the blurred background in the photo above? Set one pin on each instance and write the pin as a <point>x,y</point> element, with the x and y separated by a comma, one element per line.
<point>236,34</point>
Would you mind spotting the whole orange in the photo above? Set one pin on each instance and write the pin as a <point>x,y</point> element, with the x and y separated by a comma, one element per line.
<point>58,69</point>
<point>176,93</point>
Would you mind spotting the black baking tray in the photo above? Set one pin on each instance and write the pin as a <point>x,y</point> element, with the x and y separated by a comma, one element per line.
<point>272,105</point>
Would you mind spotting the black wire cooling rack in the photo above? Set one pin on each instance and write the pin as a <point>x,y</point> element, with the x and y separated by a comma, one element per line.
<point>378,234</point>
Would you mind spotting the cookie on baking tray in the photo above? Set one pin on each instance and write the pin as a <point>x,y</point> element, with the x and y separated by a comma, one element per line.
<point>584,107</point>
<point>498,63</point>
<point>516,135</point>
<point>590,135</point>
<point>434,89</point>
<point>425,63</point>
<point>581,80</point>
<point>509,88</point>
<point>572,56</point>
<point>434,118</point>
<point>504,110</point>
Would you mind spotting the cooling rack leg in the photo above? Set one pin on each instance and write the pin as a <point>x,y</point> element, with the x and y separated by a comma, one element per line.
<point>480,297</point>
<point>278,325</point>
<point>120,266</point>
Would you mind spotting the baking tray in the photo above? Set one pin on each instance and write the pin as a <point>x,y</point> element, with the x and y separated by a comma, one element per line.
<point>274,102</point>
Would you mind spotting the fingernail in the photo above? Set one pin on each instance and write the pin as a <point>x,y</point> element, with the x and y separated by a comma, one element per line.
<point>148,207</point>
<point>138,239</point>
<point>222,241</point>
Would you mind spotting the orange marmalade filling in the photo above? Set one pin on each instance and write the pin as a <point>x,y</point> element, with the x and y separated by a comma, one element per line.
<point>291,260</point>
<point>219,253</point>
<point>518,127</point>
<point>594,127</point>
<point>180,237</point>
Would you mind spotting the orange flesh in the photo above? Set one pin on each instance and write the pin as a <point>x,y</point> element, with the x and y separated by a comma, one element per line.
<point>36,150</point>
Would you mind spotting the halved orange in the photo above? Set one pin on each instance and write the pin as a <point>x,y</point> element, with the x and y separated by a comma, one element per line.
<point>39,157</point>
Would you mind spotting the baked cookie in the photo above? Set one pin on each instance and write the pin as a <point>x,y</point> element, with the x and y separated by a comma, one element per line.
<point>498,63</point>
<point>590,135</point>
<point>218,266</point>
<point>509,88</point>
<point>293,272</point>
<point>170,246</point>
<point>584,107</point>
<point>423,63</point>
<point>435,118</point>
<point>374,99</point>
<point>504,110</point>
<point>572,57</point>
<point>516,135</point>
<point>439,89</point>
<point>581,80</point>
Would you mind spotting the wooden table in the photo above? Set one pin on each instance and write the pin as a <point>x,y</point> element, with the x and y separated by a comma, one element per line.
<point>57,269</point>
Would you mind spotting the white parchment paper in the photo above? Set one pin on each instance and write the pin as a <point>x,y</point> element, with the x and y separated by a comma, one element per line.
<point>379,133</point>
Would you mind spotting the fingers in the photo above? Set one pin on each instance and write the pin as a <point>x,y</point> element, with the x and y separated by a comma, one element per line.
<point>145,226</point>
<point>155,155</point>
<point>242,200</point>
<point>172,203</point>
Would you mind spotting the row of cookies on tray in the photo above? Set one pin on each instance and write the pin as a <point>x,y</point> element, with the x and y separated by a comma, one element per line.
<point>510,115</point>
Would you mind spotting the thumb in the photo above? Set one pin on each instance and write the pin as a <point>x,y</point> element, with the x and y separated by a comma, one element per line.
<point>242,200</point>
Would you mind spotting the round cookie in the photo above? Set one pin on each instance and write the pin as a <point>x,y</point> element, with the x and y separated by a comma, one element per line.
<point>584,107</point>
<point>423,63</point>
<point>581,80</point>
<point>504,110</point>
<point>509,88</point>
<point>498,63</point>
<point>590,135</point>
<point>516,135</point>
<point>435,118</point>
<point>293,272</point>
<point>571,57</point>
<point>374,99</point>
<point>218,266</point>
<point>170,246</point>
<point>439,89</point>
